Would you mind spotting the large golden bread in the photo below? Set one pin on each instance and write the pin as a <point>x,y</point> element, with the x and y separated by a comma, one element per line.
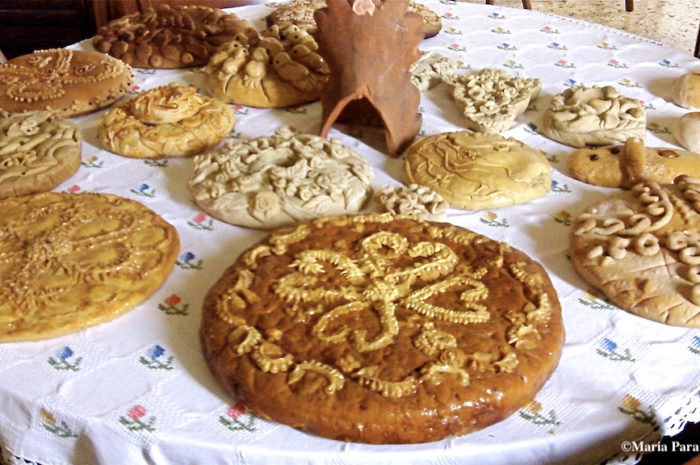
<point>71,261</point>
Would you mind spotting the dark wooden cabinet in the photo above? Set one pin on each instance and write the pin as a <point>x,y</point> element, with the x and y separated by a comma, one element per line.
<point>28,25</point>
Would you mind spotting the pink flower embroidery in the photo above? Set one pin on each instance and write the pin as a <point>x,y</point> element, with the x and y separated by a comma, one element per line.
<point>199,217</point>
<point>172,300</point>
<point>236,410</point>
<point>74,188</point>
<point>137,412</point>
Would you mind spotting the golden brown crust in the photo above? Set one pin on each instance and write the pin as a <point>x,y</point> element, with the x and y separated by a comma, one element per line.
<point>64,82</point>
<point>641,247</point>
<point>38,151</point>
<point>169,36</point>
<point>382,329</point>
<point>71,261</point>
<point>167,121</point>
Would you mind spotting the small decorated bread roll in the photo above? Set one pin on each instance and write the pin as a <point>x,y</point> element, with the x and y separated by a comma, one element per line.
<point>167,121</point>
<point>686,90</point>
<point>688,133</point>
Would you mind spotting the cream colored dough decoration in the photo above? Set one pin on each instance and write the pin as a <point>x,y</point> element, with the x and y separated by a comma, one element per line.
<point>491,99</point>
<point>167,121</point>
<point>277,70</point>
<point>583,116</point>
<point>71,261</point>
<point>642,249</point>
<point>38,151</point>
<point>279,180</point>
<point>475,171</point>
<point>414,199</point>
<point>428,70</point>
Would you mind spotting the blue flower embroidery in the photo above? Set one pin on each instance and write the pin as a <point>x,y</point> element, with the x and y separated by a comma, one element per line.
<point>694,346</point>
<point>608,349</point>
<point>151,359</point>
<point>144,190</point>
<point>156,352</point>
<point>62,360</point>
<point>186,262</point>
<point>557,188</point>
<point>65,353</point>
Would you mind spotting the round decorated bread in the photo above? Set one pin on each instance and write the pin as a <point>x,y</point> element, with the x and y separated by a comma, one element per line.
<point>64,82</point>
<point>38,151</point>
<point>582,116</point>
<point>71,261</point>
<point>642,249</point>
<point>382,329</point>
<point>301,13</point>
<point>278,180</point>
<point>166,121</point>
<point>280,69</point>
<point>474,171</point>
<point>169,36</point>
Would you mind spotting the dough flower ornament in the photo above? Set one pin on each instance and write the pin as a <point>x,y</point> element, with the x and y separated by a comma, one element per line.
<point>413,199</point>
<point>265,205</point>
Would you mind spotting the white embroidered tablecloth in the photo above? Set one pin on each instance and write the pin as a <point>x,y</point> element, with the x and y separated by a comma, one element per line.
<point>137,391</point>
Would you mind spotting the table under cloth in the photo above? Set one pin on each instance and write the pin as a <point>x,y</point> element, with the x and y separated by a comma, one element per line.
<point>137,390</point>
